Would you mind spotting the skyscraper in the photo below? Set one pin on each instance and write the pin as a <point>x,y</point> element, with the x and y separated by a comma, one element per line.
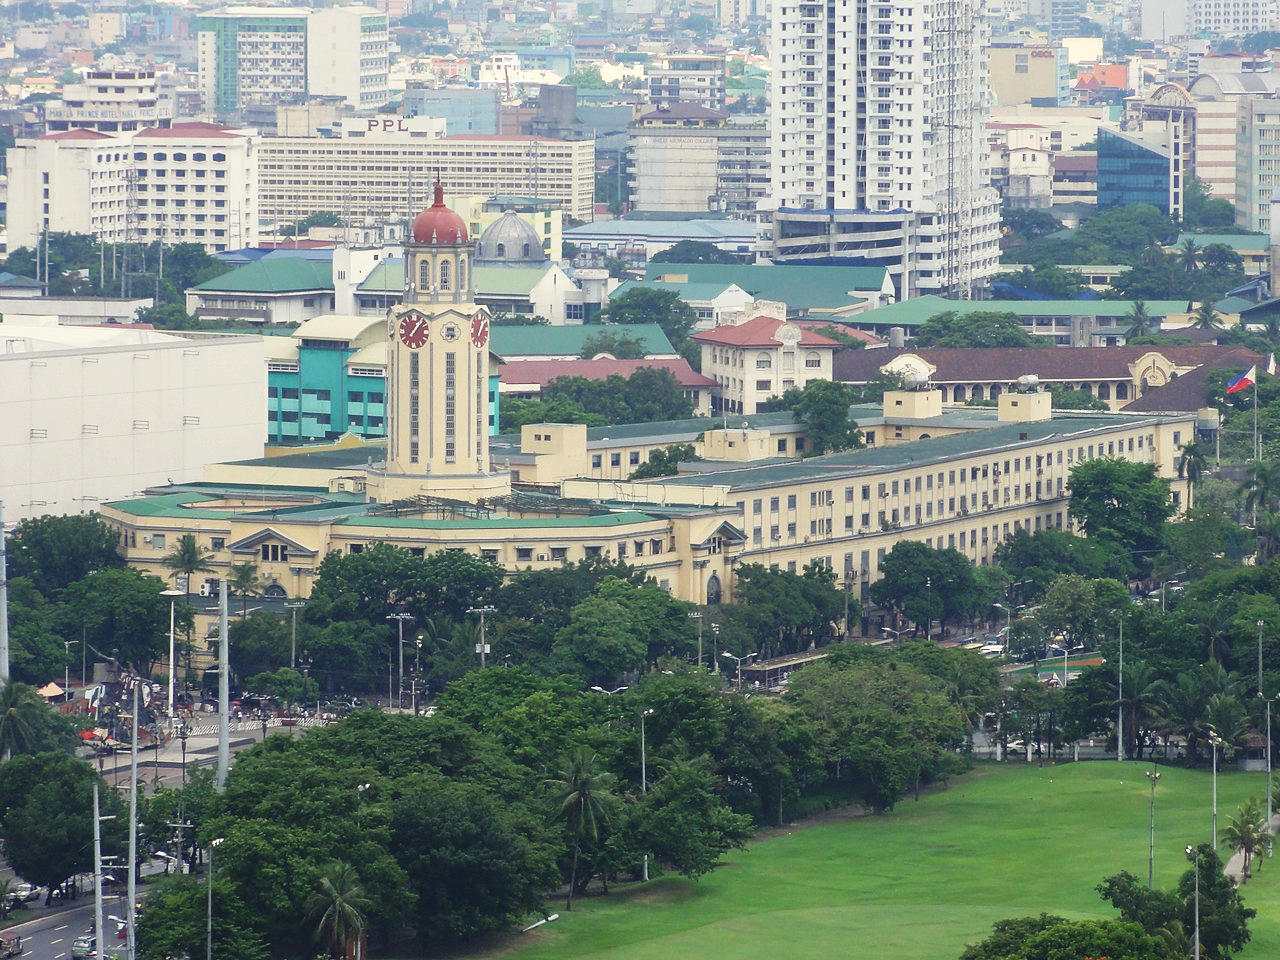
<point>878,112</point>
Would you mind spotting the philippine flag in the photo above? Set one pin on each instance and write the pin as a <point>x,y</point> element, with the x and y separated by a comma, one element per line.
<point>1244,381</point>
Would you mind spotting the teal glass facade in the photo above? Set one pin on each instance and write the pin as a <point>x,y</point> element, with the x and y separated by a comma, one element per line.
<point>1132,172</point>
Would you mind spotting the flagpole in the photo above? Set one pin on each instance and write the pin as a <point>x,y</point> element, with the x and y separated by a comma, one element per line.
<point>1256,452</point>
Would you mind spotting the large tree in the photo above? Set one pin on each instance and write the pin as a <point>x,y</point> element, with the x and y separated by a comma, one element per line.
<point>1121,501</point>
<point>651,305</point>
<point>56,551</point>
<point>983,328</point>
<point>924,583</point>
<point>823,408</point>
<point>123,611</point>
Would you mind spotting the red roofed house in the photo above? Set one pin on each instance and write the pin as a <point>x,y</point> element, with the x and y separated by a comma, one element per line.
<point>526,379</point>
<point>762,358</point>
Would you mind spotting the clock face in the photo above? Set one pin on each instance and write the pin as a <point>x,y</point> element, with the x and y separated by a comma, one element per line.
<point>414,330</point>
<point>450,332</point>
<point>479,330</point>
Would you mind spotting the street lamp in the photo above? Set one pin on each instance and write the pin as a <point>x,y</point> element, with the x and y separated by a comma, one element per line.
<point>1120,698</point>
<point>1215,741</point>
<point>1153,775</point>
<point>400,618</point>
<point>208,930</point>
<point>738,661</point>
<point>697,615</point>
<point>173,596</point>
<point>66,666</point>
<point>293,606</point>
<point>482,647</point>
<point>897,634</point>
<point>183,733</point>
<point>1193,854</point>
<point>262,715</point>
<point>417,668</point>
<point>1008,621</point>
<point>644,788</point>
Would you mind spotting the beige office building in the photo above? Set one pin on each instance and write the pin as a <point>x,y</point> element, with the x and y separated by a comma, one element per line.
<point>384,168</point>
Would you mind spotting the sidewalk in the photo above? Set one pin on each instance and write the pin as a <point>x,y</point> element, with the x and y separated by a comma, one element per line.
<point>1234,868</point>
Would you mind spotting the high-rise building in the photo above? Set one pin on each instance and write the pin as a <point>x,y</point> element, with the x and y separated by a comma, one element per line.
<point>878,113</point>
<point>187,183</point>
<point>1165,20</point>
<point>111,99</point>
<point>692,78</point>
<point>266,55</point>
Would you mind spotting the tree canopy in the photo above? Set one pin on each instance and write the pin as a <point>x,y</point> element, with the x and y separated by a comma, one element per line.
<point>984,328</point>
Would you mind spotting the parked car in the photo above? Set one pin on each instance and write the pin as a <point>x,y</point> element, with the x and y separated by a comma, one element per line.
<point>82,948</point>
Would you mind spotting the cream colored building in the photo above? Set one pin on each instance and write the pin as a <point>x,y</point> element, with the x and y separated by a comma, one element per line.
<point>381,173</point>
<point>760,358</point>
<point>965,478</point>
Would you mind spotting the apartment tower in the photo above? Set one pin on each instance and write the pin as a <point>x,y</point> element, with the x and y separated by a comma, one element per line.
<point>879,108</point>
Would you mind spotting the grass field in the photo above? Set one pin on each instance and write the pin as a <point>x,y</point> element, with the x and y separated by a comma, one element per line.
<point>925,880</point>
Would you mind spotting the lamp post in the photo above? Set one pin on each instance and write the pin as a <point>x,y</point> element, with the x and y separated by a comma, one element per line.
<point>1193,854</point>
<point>897,634</point>
<point>262,716</point>
<point>1153,775</point>
<point>697,615</point>
<point>1215,741</point>
<point>183,733</point>
<point>208,930</point>
<point>399,618</point>
<point>173,596</point>
<point>66,666</point>
<point>1008,621</point>
<point>482,647</point>
<point>715,642</point>
<point>644,788</point>
<point>1120,698</point>
<point>293,606</point>
<point>738,661</point>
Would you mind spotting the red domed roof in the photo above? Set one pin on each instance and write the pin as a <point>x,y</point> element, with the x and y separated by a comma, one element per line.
<point>439,224</point>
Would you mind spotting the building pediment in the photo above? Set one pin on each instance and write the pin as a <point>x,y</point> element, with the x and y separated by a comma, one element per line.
<point>911,367</point>
<point>1153,369</point>
<point>253,542</point>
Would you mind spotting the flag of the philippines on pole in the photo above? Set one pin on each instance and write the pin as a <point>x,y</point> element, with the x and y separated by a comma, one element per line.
<point>1244,381</point>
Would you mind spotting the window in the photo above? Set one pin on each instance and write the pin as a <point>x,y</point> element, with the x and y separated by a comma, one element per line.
<point>444,274</point>
<point>633,458</point>
<point>524,554</point>
<point>791,501</point>
<point>217,543</point>
<point>596,461</point>
<point>275,552</point>
<point>157,541</point>
<point>615,459</point>
<point>424,275</point>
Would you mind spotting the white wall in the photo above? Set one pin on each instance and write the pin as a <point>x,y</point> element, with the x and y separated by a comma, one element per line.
<point>80,426</point>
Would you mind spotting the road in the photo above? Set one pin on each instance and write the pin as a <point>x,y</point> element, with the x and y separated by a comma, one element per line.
<point>49,937</point>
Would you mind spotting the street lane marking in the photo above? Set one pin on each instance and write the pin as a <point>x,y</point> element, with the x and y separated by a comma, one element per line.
<point>54,943</point>
<point>63,927</point>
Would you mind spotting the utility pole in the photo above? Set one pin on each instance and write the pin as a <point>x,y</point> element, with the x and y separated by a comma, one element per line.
<point>644,787</point>
<point>132,887</point>
<point>4,607</point>
<point>1152,775</point>
<point>97,871</point>
<point>293,606</point>
<point>1120,697</point>
<point>482,647</point>
<point>400,618</point>
<point>224,688</point>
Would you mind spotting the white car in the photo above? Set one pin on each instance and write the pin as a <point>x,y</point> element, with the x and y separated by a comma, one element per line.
<point>992,650</point>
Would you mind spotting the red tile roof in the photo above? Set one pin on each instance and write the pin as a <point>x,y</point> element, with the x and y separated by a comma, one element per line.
<point>759,332</point>
<point>1188,392</point>
<point>1082,163</point>
<point>193,130</point>
<point>543,372</point>
<point>1006,365</point>
<point>77,135</point>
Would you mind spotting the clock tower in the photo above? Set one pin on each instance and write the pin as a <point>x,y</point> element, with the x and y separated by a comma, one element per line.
<point>437,372</point>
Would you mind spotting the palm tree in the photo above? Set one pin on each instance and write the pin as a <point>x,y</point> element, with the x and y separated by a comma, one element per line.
<point>1261,488</point>
<point>1142,703</point>
<point>337,907</point>
<point>243,579</point>
<point>1141,323</point>
<point>1189,256</point>
<point>21,713</point>
<point>1206,318</point>
<point>1246,832</point>
<point>1225,716</point>
<point>583,803</point>
<point>1184,702</point>
<point>187,558</point>
<point>1267,533</point>
<point>1192,465</point>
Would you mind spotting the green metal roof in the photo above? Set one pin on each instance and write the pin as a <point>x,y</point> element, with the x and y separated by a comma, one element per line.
<point>548,341</point>
<point>933,450</point>
<point>501,523</point>
<point>1240,242</point>
<point>274,275</point>
<point>388,277</point>
<point>691,292</point>
<point>919,310</point>
<point>801,288</point>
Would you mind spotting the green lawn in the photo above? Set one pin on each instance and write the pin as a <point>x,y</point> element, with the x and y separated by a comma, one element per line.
<point>1263,894</point>
<point>923,881</point>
